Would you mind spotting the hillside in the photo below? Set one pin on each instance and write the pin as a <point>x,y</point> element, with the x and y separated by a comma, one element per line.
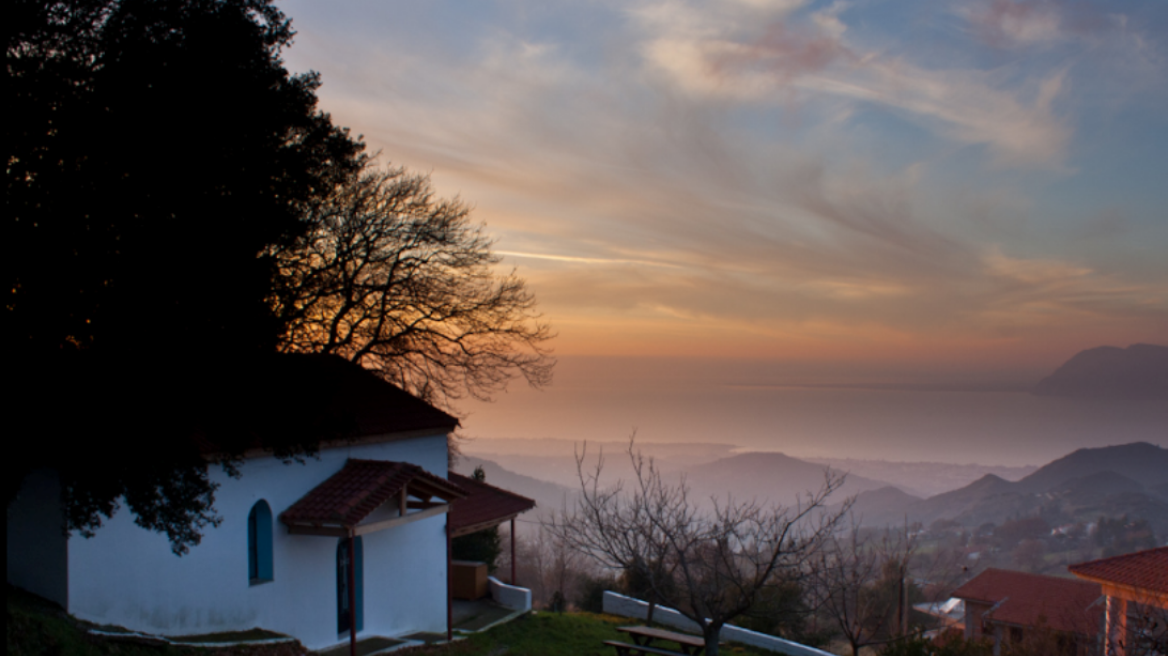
<point>1138,372</point>
<point>547,496</point>
<point>1147,464</point>
<point>1078,487</point>
<point>924,479</point>
<point>768,476</point>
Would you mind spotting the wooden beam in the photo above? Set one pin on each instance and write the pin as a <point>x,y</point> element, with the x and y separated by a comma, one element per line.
<point>325,531</point>
<point>1132,593</point>
<point>352,598</point>
<point>449,587</point>
<point>362,529</point>
<point>422,505</point>
<point>475,528</point>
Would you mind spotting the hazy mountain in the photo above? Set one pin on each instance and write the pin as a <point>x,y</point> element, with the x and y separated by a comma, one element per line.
<point>884,506</point>
<point>1138,372</point>
<point>768,476</point>
<point>555,460</point>
<point>924,479</point>
<point>1082,485</point>
<point>1090,489</point>
<point>1144,463</point>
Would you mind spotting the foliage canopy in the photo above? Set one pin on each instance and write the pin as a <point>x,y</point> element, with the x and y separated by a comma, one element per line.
<point>154,149</point>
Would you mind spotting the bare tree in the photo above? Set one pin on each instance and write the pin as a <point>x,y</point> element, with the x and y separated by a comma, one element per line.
<point>711,567</point>
<point>1147,629</point>
<point>404,284</point>
<point>860,584</point>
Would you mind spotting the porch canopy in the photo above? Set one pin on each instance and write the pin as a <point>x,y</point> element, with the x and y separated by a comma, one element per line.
<point>485,506</point>
<point>1139,578</point>
<point>366,496</point>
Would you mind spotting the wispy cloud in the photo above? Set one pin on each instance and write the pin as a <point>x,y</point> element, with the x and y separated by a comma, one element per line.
<point>587,260</point>
<point>718,59</point>
<point>759,176</point>
<point>1014,23</point>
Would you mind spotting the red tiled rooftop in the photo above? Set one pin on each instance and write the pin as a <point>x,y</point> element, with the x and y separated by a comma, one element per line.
<point>1065,605</point>
<point>484,506</point>
<point>1143,570</point>
<point>360,487</point>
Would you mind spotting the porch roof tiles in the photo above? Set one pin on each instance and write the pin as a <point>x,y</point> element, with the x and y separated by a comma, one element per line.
<point>360,487</point>
<point>485,506</point>
<point>1025,599</point>
<point>1142,570</point>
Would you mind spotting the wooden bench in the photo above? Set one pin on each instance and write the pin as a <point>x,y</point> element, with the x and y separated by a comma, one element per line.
<point>644,636</point>
<point>625,649</point>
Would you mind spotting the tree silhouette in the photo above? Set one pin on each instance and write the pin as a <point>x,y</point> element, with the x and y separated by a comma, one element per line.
<point>404,284</point>
<point>155,149</point>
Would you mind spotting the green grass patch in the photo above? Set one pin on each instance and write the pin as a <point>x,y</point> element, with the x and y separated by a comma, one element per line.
<point>231,636</point>
<point>37,627</point>
<point>364,647</point>
<point>562,634</point>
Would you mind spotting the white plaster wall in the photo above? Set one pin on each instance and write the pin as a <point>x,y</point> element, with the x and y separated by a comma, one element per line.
<point>37,548</point>
<point>128,576</point>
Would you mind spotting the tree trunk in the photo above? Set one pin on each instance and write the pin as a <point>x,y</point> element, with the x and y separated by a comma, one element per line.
<point>712,634</point>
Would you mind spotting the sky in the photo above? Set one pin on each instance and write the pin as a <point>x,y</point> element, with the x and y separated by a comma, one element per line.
<point>894,191</point>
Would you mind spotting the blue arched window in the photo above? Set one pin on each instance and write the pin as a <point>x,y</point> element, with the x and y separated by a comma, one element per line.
<point>259,543</point>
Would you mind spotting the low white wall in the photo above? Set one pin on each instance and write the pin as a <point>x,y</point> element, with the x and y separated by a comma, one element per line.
<point>618,604</point>
<point>510,596</point>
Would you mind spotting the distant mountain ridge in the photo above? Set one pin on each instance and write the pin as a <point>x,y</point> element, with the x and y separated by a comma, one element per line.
<point>769,476</point>
<point>1139,372</point>
<point>1126,478</point>
<point>1083,485</point>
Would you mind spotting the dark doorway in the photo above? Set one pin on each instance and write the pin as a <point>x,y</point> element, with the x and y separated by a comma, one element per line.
<point>343,584</point>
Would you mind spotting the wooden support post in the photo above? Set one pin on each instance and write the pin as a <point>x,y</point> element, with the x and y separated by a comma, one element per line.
<point>449,587</point>
<point>514,581</point>
<point>1115,621</point>
<point>352,596</point>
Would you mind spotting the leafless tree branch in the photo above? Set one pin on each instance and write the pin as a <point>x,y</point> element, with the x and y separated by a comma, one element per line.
<point>404,284</point>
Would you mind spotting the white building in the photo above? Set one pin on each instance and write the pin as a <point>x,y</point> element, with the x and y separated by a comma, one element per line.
<point>279,559</point>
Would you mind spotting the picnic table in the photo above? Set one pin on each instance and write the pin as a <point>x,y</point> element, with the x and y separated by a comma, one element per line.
<point>645,636</point>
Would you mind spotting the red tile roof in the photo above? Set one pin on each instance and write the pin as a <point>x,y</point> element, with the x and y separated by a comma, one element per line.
<point>307,398</point>
<point>485,506</point>
<point>1065,605</point>
<point>1143,570</point>
<point>360,487</point>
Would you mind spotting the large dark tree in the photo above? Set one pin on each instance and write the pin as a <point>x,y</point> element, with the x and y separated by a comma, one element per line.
<point>155,149</point>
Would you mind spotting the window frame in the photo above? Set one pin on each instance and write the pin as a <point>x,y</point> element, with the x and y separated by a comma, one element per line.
<point>260,565</point>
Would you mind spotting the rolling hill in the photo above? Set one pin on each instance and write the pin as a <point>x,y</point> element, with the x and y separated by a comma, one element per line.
<point>1111,481</point>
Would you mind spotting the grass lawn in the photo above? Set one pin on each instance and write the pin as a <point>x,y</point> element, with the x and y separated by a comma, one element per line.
<point>36,627</point>
<point>540,633</point>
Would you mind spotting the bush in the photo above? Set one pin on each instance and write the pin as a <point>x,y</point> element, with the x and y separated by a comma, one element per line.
<point>950,643</point>
<point>592,592</point>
